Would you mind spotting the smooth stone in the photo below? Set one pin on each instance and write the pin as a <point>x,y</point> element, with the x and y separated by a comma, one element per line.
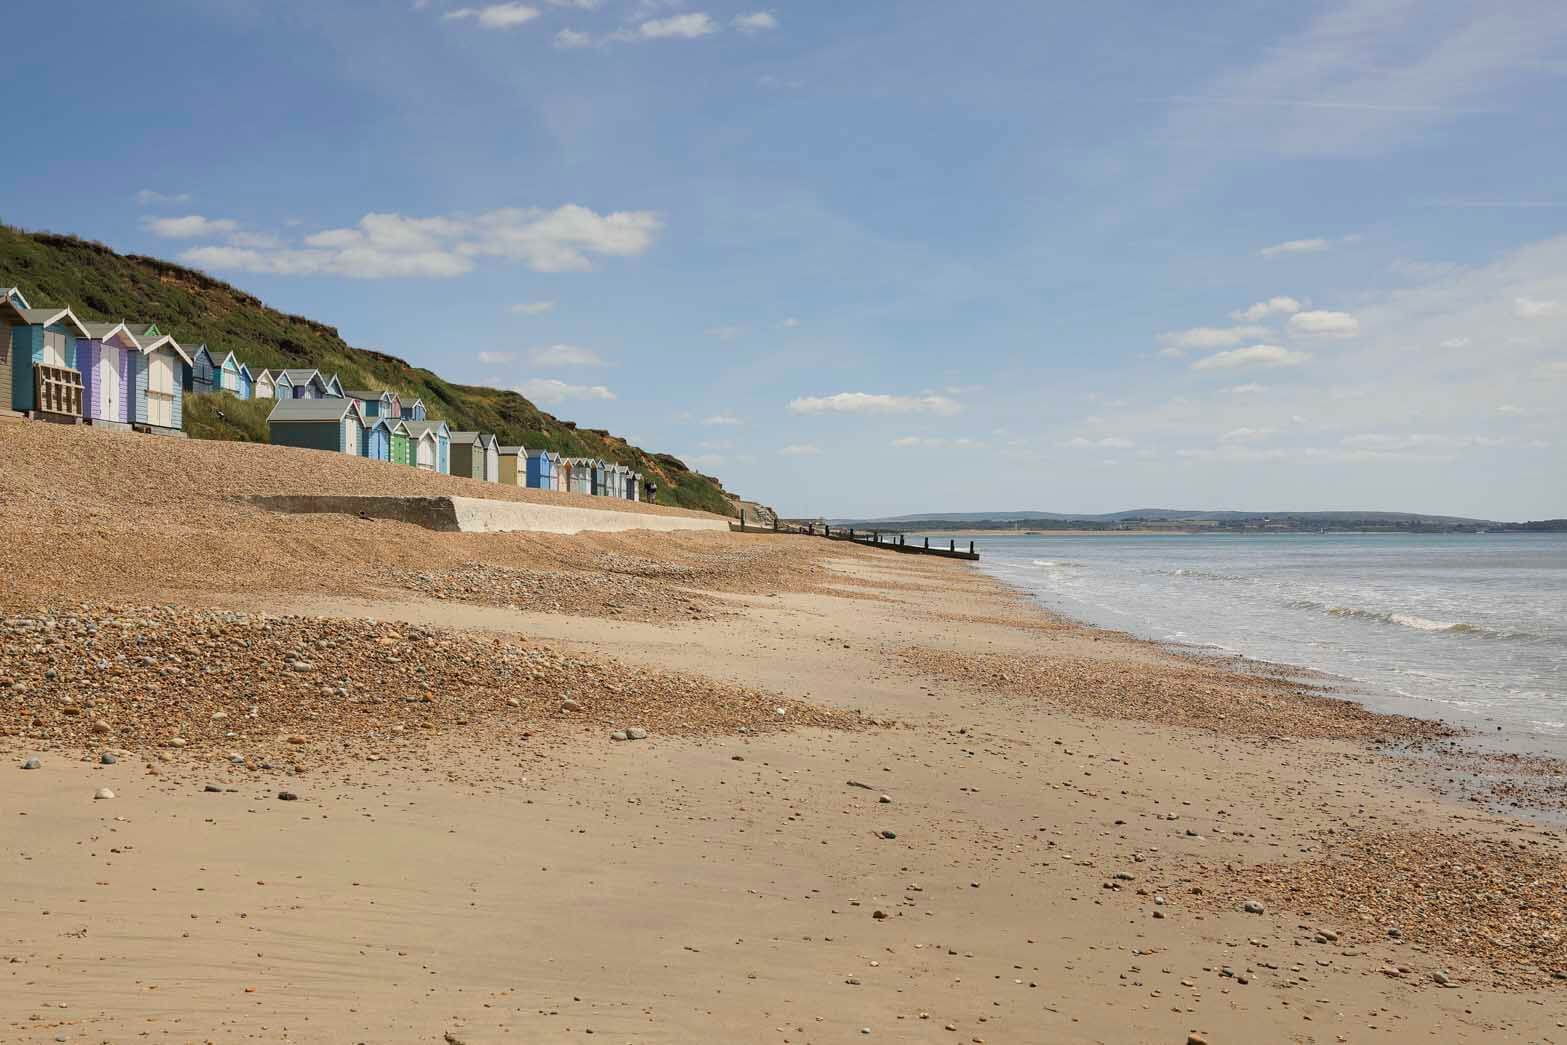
<point>32,763</point>
<point>636,733</point>
<point>1254,907</point>
<point>889,834</point>
<point>287,796</point>
<point>107,759</point>
<point>103,792</point>
<point>213,789</point>
<point>619,734</point>
<point>570,705</point>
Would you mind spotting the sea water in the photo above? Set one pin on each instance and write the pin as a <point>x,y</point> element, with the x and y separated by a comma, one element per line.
<point>1468,628</point>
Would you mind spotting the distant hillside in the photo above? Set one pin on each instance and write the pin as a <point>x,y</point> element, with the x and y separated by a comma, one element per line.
<point>1169,516</point>
<point>99,284</point>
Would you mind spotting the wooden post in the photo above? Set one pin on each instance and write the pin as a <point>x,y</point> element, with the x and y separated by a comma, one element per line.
<point>971,547</point>
<point>927,544</point>
<point>952,546</point>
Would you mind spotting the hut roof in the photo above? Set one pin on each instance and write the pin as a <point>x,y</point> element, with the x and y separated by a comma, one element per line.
<point>514,451</point>
<point>466,437</point>
<point>48,317</point>
<point>312,409</point>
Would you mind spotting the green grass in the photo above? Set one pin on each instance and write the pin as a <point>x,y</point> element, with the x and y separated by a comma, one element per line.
<point>101,285</point>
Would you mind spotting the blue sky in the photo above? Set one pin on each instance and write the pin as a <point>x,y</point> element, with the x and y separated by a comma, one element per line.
<point>875,258</point>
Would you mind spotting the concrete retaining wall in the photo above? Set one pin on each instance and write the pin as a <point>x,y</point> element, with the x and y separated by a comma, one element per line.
<point>479,515</point>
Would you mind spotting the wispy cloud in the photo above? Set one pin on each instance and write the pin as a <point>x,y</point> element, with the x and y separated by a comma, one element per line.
<point>564,355</point>
<point>533,308</point>
<point>1275,306</point>
<point>1295,246</point>
<point>497,358</point>
<point>800,450</point>
<point>1532,308</point>
<point>1108,442</point>
<point>1176,342</point>
<point>1255,355</point>
<point>384,246</point>
<point>495,16</point>
<point>191,226</point>
<point>553,390</point>
<point>869,403</point>
<point>1324,324</point>
<point>755,22</point>
<point>721,419</point>
<point>148,198</point>
<point>682,27</point>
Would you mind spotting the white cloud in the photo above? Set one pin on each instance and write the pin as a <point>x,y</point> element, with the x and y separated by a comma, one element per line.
<point>392,245</point>
<point>800,450</point>
<point>1511,410</point>
<point>191,226</point>
<point>1256,355</point>
<point>868,403</point>
<point>533,308</point>
<point>755,22</point>
<point>1295,246</point>
<point>572,39</point>
<point>1420,441</point>
<point>1530,308</point>
<point>1456,342</point>
<point>495,16</point>
<point>495,358</point>
<point>147,197</point>
<point>722,419</point>
<point>1245,435</point>
<point>1274,306</point>
<point>1109,442</point>
<point>912,441</point>
<point>1246,390</point>
<point>551,390</point>
<point>1324,324</point>
<point>1209,337</point>
<point>564,355</point>
<point>682,27</point>
<point>791,323</point>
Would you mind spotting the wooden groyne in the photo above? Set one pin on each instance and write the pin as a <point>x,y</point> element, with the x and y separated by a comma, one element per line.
<point>874,539</point>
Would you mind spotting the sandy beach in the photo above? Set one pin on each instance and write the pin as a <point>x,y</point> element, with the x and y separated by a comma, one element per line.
<point>878,797</point>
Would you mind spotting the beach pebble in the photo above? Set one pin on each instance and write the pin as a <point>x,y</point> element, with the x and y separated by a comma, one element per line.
<point>1196,1039</point>
<point>513,702</point>
<point>32,763</point>
<point>101,727</point>
<point>619,734</point>
<point>103,792</point>
<point>1442,978</point>
<point>885,800</point>
<point>1254,907</point>
<point>889,834</point>
<point>287,796</point>
<point>636,733</point>
<point>213,789</point>
<point>107,759</point>
<point>570,705</point>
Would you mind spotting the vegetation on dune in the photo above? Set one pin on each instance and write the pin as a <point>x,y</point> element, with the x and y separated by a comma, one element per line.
<point>101,285</point>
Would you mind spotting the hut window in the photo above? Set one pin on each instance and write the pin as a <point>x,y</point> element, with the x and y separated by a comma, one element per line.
<point>54,348</point>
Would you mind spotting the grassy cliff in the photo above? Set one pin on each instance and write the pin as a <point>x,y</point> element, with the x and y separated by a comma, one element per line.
<point>99,284</point>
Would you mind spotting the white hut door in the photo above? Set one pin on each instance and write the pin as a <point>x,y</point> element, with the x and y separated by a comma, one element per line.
<point>109,382</point>
<point>160,391</point>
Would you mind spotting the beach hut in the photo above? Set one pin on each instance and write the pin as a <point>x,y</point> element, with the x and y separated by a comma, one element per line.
<point>537,469</point>
<point>318,424</point>
<point>402,446</point>
<point>202,369</point>
<point>633,481</point>
<point>282,387</point>
<point>247,383</point>
<point>377,404</point>
<point>264,387</point>
<point>557,479</point>
<point>443,448</point>
<point>492,457</point>
<point>467,455</point>
<point>600,478</point>
<point>11,305</point>
<point>225,376</point>
<point>378,438</point>
<point>156,403</point>
<point>334,388</point>
<point>513,465</point>
<point>413,410</point>
<point>45,381</point>
<point>424,444</point>
<point>306,384</point>
<point>107,358</point>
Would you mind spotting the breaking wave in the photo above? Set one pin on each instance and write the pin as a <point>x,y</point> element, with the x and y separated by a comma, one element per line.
<point>1408,620</point>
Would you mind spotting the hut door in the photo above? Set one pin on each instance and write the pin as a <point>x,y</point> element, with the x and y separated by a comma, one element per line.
<point>160,390</point>
<point>110,360</point>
